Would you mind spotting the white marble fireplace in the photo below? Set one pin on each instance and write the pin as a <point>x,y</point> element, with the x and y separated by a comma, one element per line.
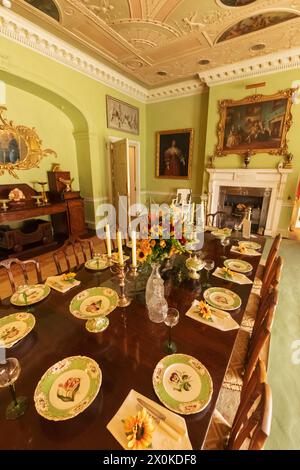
<point>273,180</point>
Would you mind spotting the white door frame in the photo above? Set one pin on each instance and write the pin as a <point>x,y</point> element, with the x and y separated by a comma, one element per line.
<point>137,146</point>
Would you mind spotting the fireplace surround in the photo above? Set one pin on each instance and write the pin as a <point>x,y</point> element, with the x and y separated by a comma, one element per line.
<point>267,184</point>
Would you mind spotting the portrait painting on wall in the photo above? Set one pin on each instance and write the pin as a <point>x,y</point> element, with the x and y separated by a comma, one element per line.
<point>258,123</point>
<point>256,23</point>
<point>122,116</point>
<point>12,147</point>
<point>174,150</point>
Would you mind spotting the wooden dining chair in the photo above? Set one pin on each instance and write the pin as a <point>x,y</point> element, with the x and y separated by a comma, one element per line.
<point>248,348</point>
<point>252,421</point>
<point>73,254</point>
<point>217,219</point>
<point>255,300</point>
<point>19,273</point>
<point>264,269</point>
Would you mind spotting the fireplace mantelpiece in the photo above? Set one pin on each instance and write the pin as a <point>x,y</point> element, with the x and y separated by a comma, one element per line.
<point>273,179</point>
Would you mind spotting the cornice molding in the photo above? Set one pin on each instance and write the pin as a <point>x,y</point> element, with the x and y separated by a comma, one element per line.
<point>22,31</point>
<point>281,61</point>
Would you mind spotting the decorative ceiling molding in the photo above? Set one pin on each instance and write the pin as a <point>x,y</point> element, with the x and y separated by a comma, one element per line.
<point>24,32</point>
<point>264,65</point>
<point>32,36</point>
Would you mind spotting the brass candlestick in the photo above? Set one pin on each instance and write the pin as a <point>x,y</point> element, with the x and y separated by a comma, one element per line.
<point>43,195</point>
<point>133,271</point>
<point>123,300</point>
<point>4,203</point>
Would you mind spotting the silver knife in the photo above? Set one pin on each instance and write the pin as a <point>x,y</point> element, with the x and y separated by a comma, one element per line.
<point>162,420</point>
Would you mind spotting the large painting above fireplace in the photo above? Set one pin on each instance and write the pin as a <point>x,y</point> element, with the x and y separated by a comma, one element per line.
<point>258,123</point>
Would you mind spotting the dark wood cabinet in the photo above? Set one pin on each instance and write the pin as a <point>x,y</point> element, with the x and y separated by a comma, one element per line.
<point>76,217</point>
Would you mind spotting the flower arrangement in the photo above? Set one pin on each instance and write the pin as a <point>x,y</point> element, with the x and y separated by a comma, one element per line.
<point>160,243</point>
<point>227,273</point>
<point>139,430</point>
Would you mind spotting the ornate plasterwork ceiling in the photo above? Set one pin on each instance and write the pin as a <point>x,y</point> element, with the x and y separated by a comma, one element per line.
<point>158,42</point>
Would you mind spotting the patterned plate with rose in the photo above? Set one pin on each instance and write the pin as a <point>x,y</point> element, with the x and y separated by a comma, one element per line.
<point>182,384</point>
<point>29,295</point>
<point>238,265</point>
<point>15,327</point>
<point>224,299</point>
<point>68,388</point>
<point>94,302</point>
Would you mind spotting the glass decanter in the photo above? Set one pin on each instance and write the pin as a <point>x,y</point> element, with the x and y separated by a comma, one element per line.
<point>157,305</point>
<point>155,274</point>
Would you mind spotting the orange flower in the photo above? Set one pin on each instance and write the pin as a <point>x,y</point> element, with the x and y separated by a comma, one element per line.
<point>153,243</point>
<point>141,256</point>
<point>139,430</point>
<point>162,243</point>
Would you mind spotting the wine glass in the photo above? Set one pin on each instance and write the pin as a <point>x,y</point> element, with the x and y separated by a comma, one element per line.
<point>9,372</point>
<point>208,266</point>
<point>171,320</point>
<point>224,242</point>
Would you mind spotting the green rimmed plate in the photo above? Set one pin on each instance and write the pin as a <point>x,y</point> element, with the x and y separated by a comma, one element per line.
<point>97,264</point>
<point>238,265</point>
<point>29,295</point>
<point>94,302</point>
<point>182,384</point>
<point>67,388</point>
<point>15,327</point>
<point>250,245</point>
<point>224,299</point>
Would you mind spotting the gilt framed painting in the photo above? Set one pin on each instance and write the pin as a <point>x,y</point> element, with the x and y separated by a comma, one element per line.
<point>174,151</point>
<point>122,116</point>
<point>258,123</point>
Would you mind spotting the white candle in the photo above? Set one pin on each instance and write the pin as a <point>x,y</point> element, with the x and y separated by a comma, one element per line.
<point>120,249</point>
<point>133,241</point>
<point>193,214</point>
<point>108,242</point>
<point>202,216</point>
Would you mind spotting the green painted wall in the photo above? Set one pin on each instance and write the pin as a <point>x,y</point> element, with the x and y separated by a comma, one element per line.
<point>80,103</point>
<point>181,113</point>
<point>236,90</point>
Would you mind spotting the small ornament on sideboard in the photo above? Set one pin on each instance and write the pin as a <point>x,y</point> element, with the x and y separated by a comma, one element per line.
<point>287,163</point>
<point>67,183</point>
<point>16,196</point>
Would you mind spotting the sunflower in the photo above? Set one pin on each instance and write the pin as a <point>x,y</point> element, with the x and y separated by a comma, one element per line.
<point>153,243</point>
<point>162,243</point>
<point>204,310</point>
<point>141,256</point>
<point>139,430</point>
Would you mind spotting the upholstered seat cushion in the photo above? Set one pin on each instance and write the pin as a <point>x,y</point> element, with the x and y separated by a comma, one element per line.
<point>250,312</point>
<point>234,376</point>
<point>228,403</point>
<point>218,433</point>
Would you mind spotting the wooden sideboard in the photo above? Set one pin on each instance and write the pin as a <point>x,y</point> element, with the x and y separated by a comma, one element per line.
<point>66,212</point>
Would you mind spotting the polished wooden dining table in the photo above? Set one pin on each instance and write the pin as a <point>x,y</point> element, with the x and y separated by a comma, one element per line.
<point>127,353</point>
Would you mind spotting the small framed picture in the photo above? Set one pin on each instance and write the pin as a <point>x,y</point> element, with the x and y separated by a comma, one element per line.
<point>122,116</point>
<point>174,151</point>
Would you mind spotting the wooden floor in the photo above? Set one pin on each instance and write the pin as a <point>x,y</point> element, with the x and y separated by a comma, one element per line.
<point>48,268</point>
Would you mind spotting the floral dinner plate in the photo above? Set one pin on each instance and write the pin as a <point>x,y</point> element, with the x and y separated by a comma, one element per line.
<point>97,264</point>
<point>238,265</point>
<point>94,302</point>
<point>29,295</point>
<point>250,245</point>
<point>67,388</point>
<point>182,384</point>
<point>15,327</point>
<point>224,299</point>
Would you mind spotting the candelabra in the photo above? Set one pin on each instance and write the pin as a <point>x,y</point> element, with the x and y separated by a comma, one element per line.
<point>123,300</point>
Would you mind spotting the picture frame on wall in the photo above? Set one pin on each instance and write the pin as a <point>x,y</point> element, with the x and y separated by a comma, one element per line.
<point>257,123</point>
<point>122,116</point>
<point>174,152</point>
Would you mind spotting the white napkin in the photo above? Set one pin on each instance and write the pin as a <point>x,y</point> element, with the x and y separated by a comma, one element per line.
<point>220,320</point>
<point>56,283</point>
<point>160,439</point>
<point>238,278</point>
<point>248,252</point>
